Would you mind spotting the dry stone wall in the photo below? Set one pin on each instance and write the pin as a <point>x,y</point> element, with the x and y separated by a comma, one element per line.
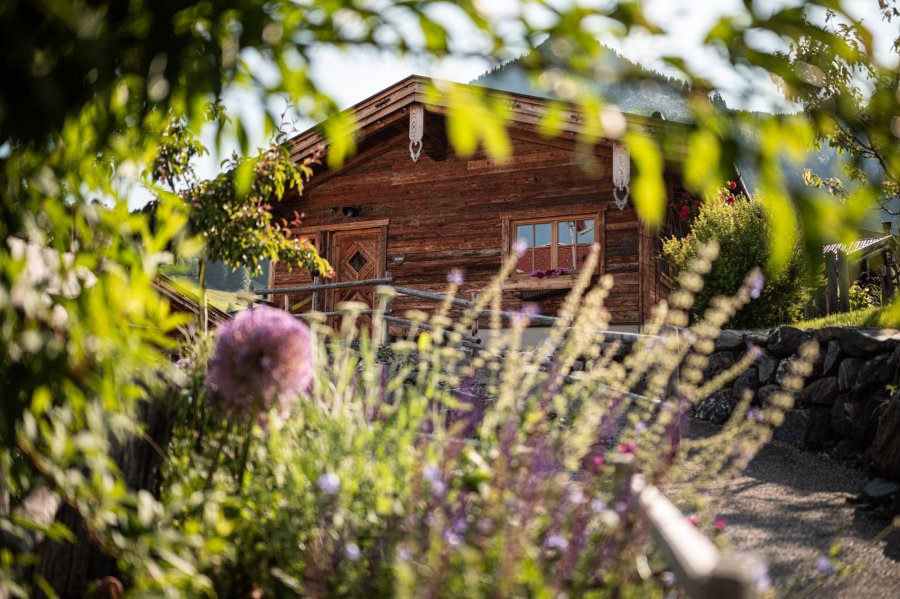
<point>850,404</point>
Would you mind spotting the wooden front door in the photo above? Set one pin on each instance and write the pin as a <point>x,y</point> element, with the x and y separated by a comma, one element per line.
<point>356,255</point>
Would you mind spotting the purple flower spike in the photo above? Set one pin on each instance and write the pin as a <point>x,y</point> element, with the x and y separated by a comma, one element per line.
<point>557,541</point>
<point>756,414</point>
<point>756,285</point>
<point>526,313</point>
<point>352,552</point>
<point>667,578</point>
<point>455,276</point>
<point>264,355</point>
<point>824,566</point>
<point>330,483</point>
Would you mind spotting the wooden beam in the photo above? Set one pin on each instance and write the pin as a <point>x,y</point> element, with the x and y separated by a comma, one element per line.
<point>344,226</point>
<point>831,293</point>
<point>323,286</point>
<point>843,282</point>
<point>437,146</point>
<point>700,569</point>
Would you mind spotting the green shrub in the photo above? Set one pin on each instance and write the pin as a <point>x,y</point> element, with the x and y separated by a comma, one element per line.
<point>863,297</point>
<point>743,232</point>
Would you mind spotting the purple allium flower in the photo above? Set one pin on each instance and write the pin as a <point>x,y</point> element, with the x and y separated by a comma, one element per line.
<point>598,505</point>
<point>403,554</point>
<point>455,276</point>
<point>756,284</point>
<point>453,539</point>
<point>824,566</point>
<point>352,552</point>
<point>557,541</point>
<point>520,246</point>
<point>264,355</point>
<point>329,483</point>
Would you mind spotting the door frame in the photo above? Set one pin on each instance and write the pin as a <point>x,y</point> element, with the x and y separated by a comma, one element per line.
<point>325,239</point>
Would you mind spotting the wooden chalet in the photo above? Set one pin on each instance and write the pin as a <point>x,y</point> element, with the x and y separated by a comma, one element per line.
<point>406,206</point>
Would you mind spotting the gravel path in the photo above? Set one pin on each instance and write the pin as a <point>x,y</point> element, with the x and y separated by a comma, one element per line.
<point>790,506</point>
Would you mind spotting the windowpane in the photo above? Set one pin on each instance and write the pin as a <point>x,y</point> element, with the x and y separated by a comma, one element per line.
<point>543,236</point>
<point>526,260</point>
<point>573,244</point>
<point>526,233</point>
<point>585,230</point>
<point>566,231</point>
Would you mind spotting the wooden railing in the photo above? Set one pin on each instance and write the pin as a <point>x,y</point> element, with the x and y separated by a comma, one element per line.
<point>700,568</point>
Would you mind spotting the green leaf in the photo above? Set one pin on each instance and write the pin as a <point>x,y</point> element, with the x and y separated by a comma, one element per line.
<point>647,186</point>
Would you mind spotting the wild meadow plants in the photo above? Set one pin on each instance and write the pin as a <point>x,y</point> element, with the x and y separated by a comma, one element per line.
<point>341,461</point>
<point>421,466</point>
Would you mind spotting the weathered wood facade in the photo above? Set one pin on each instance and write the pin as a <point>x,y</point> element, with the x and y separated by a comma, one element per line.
<point>381,212</point>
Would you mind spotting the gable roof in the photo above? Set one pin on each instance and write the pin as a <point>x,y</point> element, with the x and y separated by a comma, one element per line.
<point>388,106</point>
<point>863,247</point>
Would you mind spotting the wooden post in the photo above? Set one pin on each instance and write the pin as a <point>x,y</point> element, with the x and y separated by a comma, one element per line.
<point>831,295</point>
<point>700,569</point>
<point>843,281</point>
<point>474,331</point>
<point>286,304</point>
<point>204,309</point>
<point>314,305</point>
<point>887,285</point>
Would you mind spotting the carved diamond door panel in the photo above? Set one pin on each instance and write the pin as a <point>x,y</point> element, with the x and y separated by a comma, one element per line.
<point>356,255</point>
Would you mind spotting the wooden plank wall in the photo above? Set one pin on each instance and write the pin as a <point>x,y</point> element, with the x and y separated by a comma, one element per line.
<point>446,214</point>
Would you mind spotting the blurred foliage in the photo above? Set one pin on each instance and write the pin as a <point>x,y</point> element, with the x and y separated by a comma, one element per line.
<point>232,213</point>
<point>862,123</point>
<point>742,229</point>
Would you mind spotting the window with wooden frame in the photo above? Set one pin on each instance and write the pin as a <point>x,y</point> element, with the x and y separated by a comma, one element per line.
<point>556,247</point>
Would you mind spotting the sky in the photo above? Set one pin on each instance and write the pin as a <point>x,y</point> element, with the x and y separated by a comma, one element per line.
<point>351,76</point>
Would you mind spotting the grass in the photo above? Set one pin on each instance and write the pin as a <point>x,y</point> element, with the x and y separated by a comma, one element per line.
<point>887,317</point>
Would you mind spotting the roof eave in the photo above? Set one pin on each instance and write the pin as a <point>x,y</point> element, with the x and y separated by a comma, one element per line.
<point>525,109</point>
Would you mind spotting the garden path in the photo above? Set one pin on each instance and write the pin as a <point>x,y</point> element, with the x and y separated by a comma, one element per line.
<point>790,506</point>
